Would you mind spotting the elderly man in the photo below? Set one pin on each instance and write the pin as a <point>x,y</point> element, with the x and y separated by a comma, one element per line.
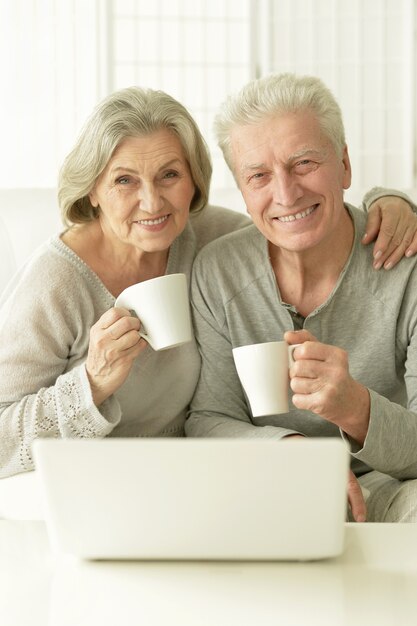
<point>300,273</point>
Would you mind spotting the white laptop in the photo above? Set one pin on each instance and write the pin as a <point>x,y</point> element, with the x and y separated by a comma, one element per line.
<point>200,499</point>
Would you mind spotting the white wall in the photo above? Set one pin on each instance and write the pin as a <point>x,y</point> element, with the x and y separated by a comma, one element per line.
<point>365,51</point>
<point>59,57</point>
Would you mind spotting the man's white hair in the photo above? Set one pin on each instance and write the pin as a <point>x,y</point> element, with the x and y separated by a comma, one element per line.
<point>279,94</point>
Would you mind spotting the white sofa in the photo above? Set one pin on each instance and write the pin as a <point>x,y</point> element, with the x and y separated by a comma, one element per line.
<point>27,218</point>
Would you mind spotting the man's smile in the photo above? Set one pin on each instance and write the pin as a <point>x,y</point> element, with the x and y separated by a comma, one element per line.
<point>298,216</point>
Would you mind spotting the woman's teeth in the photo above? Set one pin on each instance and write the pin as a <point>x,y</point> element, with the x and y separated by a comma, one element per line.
<point>298,216</point>
<point>153,222</point>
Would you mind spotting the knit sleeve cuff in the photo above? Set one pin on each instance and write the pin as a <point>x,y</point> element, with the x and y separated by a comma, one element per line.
<point>380,192</point>
<point>78,416</point>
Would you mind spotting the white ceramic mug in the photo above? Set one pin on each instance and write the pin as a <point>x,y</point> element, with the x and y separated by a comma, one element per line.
<point>163,307</point>
<point>263,372</point>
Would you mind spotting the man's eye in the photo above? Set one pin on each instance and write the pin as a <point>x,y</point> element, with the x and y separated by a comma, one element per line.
<point>305,166</point>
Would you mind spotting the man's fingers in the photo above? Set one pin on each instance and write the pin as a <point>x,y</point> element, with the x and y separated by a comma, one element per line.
<point>356,499</point>
<point>298,336</point>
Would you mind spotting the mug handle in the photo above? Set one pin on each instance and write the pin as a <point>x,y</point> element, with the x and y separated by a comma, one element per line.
<point>142,332</point>
<point>144,335</point>
<point>291,349</point>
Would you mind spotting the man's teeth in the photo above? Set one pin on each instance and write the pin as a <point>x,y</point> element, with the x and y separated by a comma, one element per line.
<point>153,222</point>
<point>297,216</point>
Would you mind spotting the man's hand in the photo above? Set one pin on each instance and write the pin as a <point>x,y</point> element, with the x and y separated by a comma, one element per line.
<point>393,224</point>
<point>354,492</point>
<point>321,383</point>
<point>356,499</point>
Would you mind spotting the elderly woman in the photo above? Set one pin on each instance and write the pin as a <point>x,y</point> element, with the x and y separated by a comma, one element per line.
<point>71,364</point>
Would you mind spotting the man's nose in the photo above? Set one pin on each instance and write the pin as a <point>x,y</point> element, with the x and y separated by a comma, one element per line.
<point>287,189</point>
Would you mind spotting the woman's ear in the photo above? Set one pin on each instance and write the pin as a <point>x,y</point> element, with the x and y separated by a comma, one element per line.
<point>93,198</point>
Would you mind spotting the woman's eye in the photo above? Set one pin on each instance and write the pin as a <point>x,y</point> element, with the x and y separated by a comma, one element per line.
<point>123,180</point>
<point>170,174</point>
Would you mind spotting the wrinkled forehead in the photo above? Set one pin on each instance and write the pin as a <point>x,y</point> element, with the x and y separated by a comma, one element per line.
<point>156,142</point>
<point>285,137</point>
<point>154,150</point>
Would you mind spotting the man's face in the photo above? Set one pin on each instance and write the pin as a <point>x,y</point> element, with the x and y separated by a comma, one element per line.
<point>291,179</point>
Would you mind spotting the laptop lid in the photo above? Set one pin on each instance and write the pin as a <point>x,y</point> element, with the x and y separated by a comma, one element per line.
<point>194,498</point>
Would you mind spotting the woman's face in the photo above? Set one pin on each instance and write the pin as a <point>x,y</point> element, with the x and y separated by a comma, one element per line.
<point>145,191</point>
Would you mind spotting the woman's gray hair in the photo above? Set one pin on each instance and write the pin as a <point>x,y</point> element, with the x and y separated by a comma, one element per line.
<point>130,112</point>
<point>279,94</point>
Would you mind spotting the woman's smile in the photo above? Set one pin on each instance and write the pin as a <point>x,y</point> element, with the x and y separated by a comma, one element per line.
<point>145,192</point>
<point>154,224</point>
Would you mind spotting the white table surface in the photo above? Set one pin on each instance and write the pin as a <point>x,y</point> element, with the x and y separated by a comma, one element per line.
<point>373,583</point>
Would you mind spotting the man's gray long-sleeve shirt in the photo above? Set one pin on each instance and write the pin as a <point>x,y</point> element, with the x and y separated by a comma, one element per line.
<point>372,315</point>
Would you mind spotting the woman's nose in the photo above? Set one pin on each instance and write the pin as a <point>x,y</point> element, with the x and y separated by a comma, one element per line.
<point>150,199</point>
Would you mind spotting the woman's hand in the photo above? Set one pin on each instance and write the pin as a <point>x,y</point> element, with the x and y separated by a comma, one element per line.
<point>114,345</point>
<point>392,222</point>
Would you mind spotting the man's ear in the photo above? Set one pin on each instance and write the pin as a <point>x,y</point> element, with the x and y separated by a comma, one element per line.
<point>347,170</point>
